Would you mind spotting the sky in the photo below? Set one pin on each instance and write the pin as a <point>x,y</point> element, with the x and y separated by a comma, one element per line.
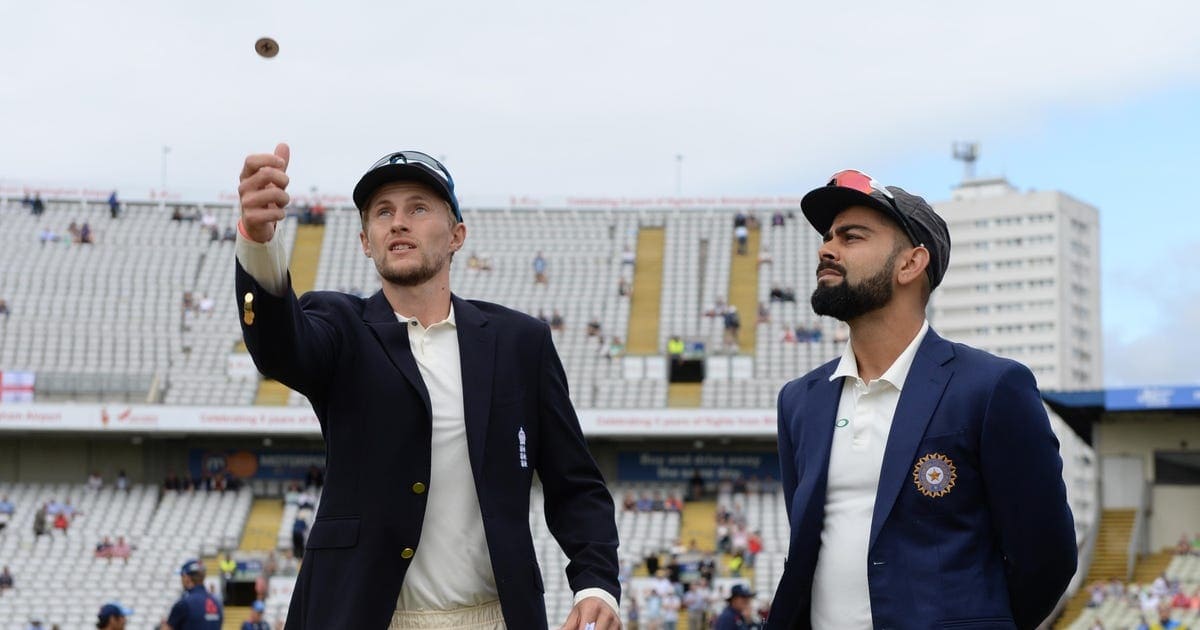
<point>558,98</point>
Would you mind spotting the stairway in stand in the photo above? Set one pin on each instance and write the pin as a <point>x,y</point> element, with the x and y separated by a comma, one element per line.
<point>1110,560</point>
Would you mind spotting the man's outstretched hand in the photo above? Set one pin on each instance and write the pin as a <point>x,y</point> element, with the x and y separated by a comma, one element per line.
<point>263,192</point>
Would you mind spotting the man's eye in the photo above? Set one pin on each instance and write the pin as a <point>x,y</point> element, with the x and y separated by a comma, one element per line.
<point>385,213</point>
<point>420,209</point>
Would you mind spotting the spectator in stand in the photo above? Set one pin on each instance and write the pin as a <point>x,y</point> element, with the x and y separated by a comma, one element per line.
<point>623,287</point>
<point>630,503</point>
<point>754,546</point>
<point>104,549</point>
<point>114,205</point>
<point>172,481</point>
<point>112,616</point>
<point>306,500</point>
<point>6,580</point>
<point>122,482</point>
<point>657,504</point>
<point>696,602</point>
<point>229,235</point>
<point>593,327</point>
<point>6,512</point>
<point>696,485</point>
<point>539,269</point>
<point>94,481</point>
<point>556,321</point>
<point>764,314</point>
<point>206,304</point>
<point>61,521</point>
<point>1165,622</point>
<point>670,609</point>
<point>736,615</point>
<point>299,529</point>
<point>777,219</point>
<point>255,621</point>
<point>4,309</point>
<point>40,520</point>
<point>73,230</point>
<point>742,234</point>
<point>616,349</point>
<point>85,234</point>
<point>47,235</point>
<point>38,207</point>
<point>121,550</point>
<point>1181,600</point>
<point>645,503</point>
<point>673,504</point>
<point>780,294</point>
<point>732,324</point>
<point>627,256</point>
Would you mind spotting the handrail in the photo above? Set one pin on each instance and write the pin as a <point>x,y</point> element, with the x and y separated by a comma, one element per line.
<point>1136,537</point>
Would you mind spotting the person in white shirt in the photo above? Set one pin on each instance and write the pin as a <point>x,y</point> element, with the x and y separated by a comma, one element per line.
<point>436,413</point>
<point>921,477</point>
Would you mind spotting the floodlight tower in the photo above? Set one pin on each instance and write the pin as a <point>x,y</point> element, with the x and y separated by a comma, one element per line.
<point>967,153</point>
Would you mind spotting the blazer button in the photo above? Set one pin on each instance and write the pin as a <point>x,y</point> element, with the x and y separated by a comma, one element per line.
<point>407,553</point>
<point>418,488</point>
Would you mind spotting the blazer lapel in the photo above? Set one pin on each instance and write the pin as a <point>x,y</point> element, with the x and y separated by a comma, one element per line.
<point>927,379</point>
<point>477,352</point>
<point>817,434</point>
<point>393,336</point>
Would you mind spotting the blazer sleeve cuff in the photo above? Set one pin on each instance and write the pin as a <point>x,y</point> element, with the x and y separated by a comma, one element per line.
<point>265,262</point>
<point>604,595</point>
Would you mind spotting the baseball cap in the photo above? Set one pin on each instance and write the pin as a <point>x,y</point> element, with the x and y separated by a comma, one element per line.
<point>407,166</point>
<point>912,213</point>
<point>113,609</point>
<point>740,590</point>
<point>191,566</point>
<point>258,606</point>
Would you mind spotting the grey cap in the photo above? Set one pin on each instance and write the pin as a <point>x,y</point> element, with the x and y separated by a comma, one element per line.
<point>912,213</point>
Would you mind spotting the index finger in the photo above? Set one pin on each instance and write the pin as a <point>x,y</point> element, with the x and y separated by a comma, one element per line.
<point>259,160</point>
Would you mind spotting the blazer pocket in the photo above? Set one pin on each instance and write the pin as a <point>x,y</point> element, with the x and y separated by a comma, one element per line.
<point>334,533</point>
<point>981,623</point>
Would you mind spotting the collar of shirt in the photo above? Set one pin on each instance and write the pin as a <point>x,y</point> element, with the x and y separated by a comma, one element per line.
<point>895,375</point>
<point>449,321</point>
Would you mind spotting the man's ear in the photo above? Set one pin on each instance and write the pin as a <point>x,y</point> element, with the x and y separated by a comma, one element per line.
<point>913,265</point>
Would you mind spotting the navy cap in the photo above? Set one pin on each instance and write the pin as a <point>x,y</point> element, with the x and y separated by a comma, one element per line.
<point>113,609</point>
<point>740,590</point>
<point>407,166</point>
<point>912,213</point>
<point>190,567</point>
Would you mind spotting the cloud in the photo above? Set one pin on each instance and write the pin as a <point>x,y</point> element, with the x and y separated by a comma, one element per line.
<point>1154,340</point>
<point>547,97</point>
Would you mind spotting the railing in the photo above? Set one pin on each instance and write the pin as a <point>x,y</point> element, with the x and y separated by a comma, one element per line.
<point>1139,539</point>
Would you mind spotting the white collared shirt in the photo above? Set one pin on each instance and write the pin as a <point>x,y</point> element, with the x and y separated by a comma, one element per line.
<point>451,567</point>
<point>841,596</point>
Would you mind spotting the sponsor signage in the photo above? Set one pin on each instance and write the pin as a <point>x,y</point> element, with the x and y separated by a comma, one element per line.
<point>1149,398</point>
<point>254,464</point>
<point>680,466</point>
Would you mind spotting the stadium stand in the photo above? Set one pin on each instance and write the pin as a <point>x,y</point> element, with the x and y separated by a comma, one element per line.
<point>60,580</point>
<point>105,322</point>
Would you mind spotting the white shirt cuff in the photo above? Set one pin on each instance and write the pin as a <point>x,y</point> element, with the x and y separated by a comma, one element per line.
<point>265,262</point>
<point>602,594</point>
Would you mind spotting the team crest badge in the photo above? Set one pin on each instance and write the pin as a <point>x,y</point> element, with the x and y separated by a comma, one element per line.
<point>934,475</point>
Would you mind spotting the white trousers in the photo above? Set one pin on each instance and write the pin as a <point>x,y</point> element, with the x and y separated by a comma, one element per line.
<point>482,617</point>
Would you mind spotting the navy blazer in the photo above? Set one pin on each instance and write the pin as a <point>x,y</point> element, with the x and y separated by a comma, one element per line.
<point>352,359</point>
<point>996,551</point>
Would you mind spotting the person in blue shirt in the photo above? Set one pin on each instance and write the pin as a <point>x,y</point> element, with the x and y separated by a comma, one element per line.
<point>255,622</point>
<point>736,615</point>
<point>112,617</point>
<point>197,609</point>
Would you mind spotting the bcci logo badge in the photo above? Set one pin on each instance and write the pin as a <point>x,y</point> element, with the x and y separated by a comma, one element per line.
<point>934,475</point>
